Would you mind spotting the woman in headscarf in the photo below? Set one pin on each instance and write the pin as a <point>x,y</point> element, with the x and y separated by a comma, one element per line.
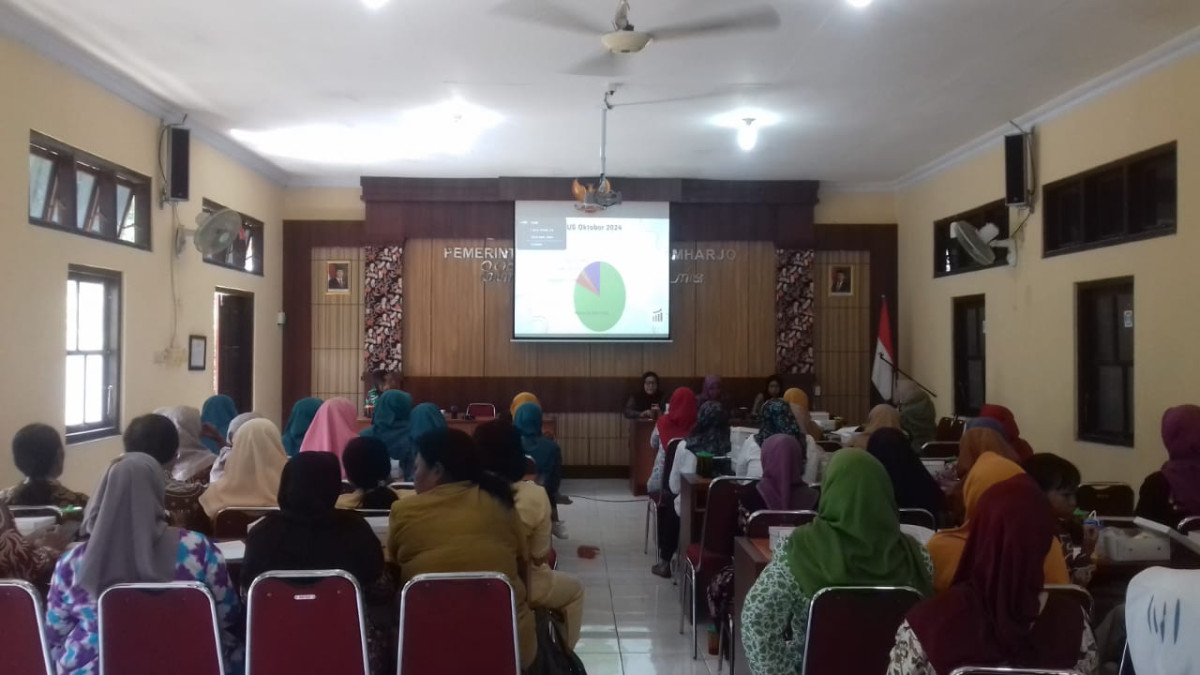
<point>546,453</point>
<point>298,423</point>
<point>390,425</point>
<point>800,408</point>
<point>308,533</point>
<point>1012,433</point>
<point>127,541</point>
<point>425,418</point>
<point>520,400</point>
<point>366,465</point>
<point>194,462</point>
<point>641,402</point>
<point>334,425</point>
<point>252,474</point>
<point>218,467</point>
<point>996,612</point>
<point>462,519</point>
<point>677,423</point>
<point>772,389</point>
<point>882,416</point>
<point>711,390</point>
<point>217,413</point>
<point>977,441</point>
<point>710,436</point>
<point>502,454</point>
<point>918,416</point>
<point>158,437</point>
<point>911,482</point>
<point>1181,436</point>
<point>776,417</point>
<point>947,546</point>
<point>38,453</point>
<point>854,541</point>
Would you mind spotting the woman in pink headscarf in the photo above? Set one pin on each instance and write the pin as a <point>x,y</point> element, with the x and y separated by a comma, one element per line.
<point>1174,493</point>
<point>332,428</point>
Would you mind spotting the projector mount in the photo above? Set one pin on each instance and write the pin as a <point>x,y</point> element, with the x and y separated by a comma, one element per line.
<point>593,198</point>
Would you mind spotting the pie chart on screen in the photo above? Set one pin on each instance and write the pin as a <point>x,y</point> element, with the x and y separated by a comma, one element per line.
<point>599,296</point>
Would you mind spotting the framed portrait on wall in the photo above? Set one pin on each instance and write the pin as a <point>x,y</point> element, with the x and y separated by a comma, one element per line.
<point>197,352</point>
<point>841,280</point>
<point>337,277</point>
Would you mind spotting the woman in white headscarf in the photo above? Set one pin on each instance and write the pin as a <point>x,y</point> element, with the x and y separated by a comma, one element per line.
<point>218,467</point>
<point>253,471</point>
<point>194,460</point>
<point>129,541</point>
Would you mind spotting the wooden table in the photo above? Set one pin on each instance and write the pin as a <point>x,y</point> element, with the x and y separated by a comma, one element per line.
<point>750,558</point>
<point>1111,579</point>
<point>693,497</point>
<point>641,455</point>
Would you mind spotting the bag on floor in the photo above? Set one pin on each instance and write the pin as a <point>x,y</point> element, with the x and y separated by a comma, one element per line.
<point>554,658</point>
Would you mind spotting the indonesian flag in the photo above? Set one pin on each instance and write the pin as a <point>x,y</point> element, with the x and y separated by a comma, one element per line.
<point>881,372</point>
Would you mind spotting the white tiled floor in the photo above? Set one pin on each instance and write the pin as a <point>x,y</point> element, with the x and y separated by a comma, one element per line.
<point>631,617</point>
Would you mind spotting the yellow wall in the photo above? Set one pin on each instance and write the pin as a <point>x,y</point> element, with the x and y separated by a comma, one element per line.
<point>323,204</point>
<point>855,208</point>
<point>41,95</point>
<point>1031,309</point>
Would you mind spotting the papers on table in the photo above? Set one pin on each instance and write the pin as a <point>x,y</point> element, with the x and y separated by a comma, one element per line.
<point>234,551</point>
<point>27,526</point>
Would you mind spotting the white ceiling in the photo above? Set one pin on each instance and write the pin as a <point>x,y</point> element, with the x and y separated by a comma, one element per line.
<point>864,95</point>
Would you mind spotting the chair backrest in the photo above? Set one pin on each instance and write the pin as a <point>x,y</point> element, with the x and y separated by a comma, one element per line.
<point>664,493</point>
<point>402,485</point>
<point>949,429</point>
<point>760,523</point>
<point>159,628</point>
<point>1106,499</point>
<point>979,670</point>
<point>233,522</point>
<point>919,517</point>
<point>721,517</point>
<point>531,467</point>
<point>939,450</point>
<point>1189,524</point>
<point>373,513</point>
<point>1075,593</point>
<point>852,629</point>
<point>24,649</point>
<point>829,446</point>
<point>36,512</point>
<point>437,610</point>
<point>481,410</point>
<point>305,622</point>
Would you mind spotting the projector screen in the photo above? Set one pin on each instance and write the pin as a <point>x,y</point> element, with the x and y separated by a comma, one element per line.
<point>592,277</point>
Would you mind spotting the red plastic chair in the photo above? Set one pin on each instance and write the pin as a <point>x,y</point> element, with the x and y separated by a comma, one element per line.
<point>970,670</point>
<point>655,500</point>
<point>760,523</point>
<point>703,560</point>
<point>233,522</point>
<point>24,649</point>
<point>852,629</point>
<point>148,629</point>
<point>481,411</point>
<point>437,610</point>
<point>309,621</point>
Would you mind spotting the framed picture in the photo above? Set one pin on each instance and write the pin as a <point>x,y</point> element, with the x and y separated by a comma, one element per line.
<point>197,352</point>
<point>841,280</point>
<point>337,280</point>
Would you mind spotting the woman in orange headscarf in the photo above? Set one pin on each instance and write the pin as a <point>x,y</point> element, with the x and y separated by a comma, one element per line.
<point>882,416</point>
<point>520,400</point>
<point>799,402</point>
<point>974,443</point>
<point>946,547</point>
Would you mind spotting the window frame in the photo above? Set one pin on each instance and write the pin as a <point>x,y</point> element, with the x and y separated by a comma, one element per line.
<point>110,424</point>
<point>1088,364</point>
<point>68,162</point>
<point>948,252</point>
<point>961,373</point>
<point>256,234</point>
<point>1082,191</point>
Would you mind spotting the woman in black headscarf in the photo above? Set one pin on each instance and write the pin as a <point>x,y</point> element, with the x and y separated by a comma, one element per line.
<point>914,486</point>
<point>642,401</point>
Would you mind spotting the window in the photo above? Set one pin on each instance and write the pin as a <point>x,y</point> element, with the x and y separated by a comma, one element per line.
<point>93,354</point>
<point>246,252</point>
<point>970,355</point>
<point>1126,200</point>
<point>1104,314</point>
<point>949,256</point>
<point>73,191</point>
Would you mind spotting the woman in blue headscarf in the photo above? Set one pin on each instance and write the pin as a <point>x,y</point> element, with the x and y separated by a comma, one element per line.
<point>391,424</point>
<point>547,454</point>
<point>425,418</point>
<point>298,423</point>
<point>218,411</point>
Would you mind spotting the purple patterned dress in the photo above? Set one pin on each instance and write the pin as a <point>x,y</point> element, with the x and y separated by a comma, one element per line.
<point>71,617</point>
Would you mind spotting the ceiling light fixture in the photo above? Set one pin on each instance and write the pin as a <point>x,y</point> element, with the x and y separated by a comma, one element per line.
<point>378,4</point>
<point>747,136</point>
<point>746,122</point>
<point>857,4</point>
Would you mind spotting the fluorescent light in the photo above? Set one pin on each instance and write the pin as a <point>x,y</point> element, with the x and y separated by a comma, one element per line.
<point>378,4</point>
<point>747,135</point>
<point>857,4</point>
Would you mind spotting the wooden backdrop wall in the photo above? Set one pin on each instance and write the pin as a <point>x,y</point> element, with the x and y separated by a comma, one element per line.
<point>842,340</point>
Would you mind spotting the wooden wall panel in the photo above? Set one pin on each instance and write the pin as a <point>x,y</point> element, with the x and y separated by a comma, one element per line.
<point>336,327</point>
<point>844,345</point>
<point>678,357</point>
<point>418,302</point>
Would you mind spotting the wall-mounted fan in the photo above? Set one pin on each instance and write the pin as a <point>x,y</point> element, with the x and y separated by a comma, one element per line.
<point>214,232</point>
<point>981,244</point>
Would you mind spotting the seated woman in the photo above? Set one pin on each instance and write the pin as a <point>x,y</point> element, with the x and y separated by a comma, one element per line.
<point>38,453</point>
<point>333,427</point>
<point>218,467</point>
<point>709,435</point>
<point>368,468</point>
<point>298,424</point>
<point>158,437</point>
<point>798,400</point>
<point>252,475</point>
<point>425,418</point>
<point>918,416</point>
<point>711,390</point>
<point>1172,494</point>
<point>854,541</point>
<point>772,389</point>
<point>390,425</point>
<point>677,423</point>
<point>641,403</point>
<point>309,533</point>
<point>776,417</point>
<point>947,546</point>
<point>462,519</point>
<point>1012,433</point>
<point>975,442</point>
<point>520,400</point>
<point>914,487</point>
<point>500,447</point>
<point>995,613</point>
<point>1059,479</point>
<point>547,454</point>
<point>127,541</point>
<point>882,416</point>
<point>193,462</point>
<point>216,414</point>
<point>30,558</point>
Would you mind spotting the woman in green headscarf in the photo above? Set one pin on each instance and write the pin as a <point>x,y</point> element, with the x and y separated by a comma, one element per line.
<point>425,418</point>
<point>918,416</point>
<point>390,424</point>
<point>528,422</point>
<point>298,423</point>
<point>854,541</point>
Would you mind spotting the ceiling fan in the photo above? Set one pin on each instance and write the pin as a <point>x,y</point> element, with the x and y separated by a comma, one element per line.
<point>622,38</point>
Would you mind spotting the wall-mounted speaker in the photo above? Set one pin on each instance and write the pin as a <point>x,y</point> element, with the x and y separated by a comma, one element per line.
<point>179,166</point>
<point>1016,170</point>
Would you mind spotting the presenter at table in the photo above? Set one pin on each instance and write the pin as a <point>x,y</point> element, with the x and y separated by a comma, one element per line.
<point>642,403</point>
